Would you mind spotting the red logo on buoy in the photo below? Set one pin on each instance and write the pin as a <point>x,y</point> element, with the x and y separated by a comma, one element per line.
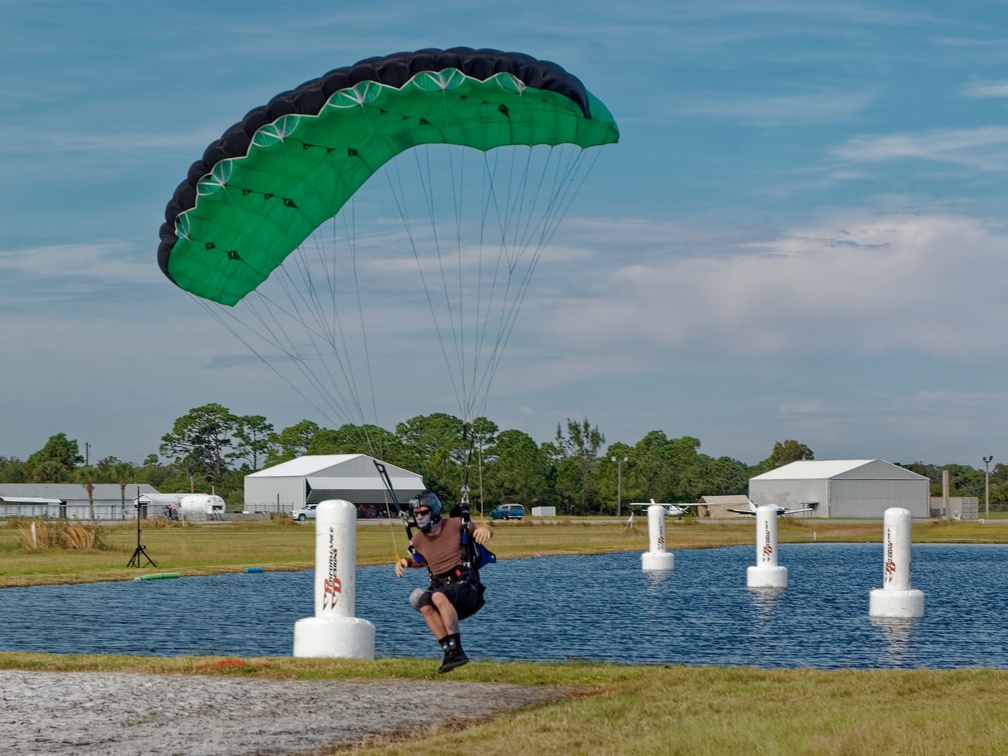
<point>331,586</point>
<point>890,569</point>
<point>767,550</point>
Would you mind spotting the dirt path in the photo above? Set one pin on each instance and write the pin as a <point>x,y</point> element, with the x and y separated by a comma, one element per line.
<point>132,713</point>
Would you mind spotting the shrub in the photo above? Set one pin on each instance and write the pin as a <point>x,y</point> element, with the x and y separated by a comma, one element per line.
<point>64,535</point>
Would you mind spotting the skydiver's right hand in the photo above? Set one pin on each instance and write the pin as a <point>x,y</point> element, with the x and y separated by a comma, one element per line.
<point>400,566</point>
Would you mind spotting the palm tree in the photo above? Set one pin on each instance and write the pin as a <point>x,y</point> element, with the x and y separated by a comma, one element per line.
<point>123,471</point>
<point>86,475</point>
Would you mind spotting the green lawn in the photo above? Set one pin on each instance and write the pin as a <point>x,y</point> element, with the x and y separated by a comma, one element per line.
<point>603,708</point>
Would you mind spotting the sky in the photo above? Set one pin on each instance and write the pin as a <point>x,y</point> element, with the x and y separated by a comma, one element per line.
<point>800,234</point>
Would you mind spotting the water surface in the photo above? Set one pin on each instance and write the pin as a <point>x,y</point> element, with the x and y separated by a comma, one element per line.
<point>601,608</point>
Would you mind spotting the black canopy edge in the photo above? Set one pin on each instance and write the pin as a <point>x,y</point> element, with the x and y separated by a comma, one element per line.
<point>392,70</point>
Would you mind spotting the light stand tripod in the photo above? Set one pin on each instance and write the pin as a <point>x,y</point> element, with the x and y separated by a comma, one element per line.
<point>141,550</point>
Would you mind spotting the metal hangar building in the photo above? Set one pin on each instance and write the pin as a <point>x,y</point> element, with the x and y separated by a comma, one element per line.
<point>845,488</point>
<point>316,478</point>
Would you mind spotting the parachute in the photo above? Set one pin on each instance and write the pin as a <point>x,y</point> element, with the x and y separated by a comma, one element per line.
<point>252,210</point>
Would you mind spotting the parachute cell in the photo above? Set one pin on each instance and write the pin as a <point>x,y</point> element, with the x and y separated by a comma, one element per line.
<point>288,167</point>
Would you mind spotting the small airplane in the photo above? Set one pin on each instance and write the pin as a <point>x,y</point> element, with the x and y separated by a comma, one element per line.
<point>671,510</point>
<point>781,511</point>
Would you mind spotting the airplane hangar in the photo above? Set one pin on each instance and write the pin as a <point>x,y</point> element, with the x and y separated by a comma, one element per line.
<point>315,478</point>
<point>855,488</point>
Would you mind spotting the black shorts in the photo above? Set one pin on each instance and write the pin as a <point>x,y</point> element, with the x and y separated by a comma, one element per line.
<point>464,595</point>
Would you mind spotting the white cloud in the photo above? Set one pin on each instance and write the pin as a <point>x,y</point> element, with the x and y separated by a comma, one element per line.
<point>986,89</point>
<point>981,148</point>
<point>790,109</point>
<point>65,269</point>
<point>853,286</point>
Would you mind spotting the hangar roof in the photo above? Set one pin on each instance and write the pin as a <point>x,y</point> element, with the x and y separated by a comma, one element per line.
<point>851,469</point>
<point>345,476</point>
<point>311,464</point>
<point>25,492</point>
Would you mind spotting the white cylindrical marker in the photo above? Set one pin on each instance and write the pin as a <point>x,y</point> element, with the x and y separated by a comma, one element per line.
<point>896,598</point>
<point>334,631</point>
<point>656,558</point>
<point>767,573</point>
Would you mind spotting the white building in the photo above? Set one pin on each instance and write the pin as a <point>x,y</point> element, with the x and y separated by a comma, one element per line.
<point>312,479</point>
<point>843,488</point>
<point>107,501</point>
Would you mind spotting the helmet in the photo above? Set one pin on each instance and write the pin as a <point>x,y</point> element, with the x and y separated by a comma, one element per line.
<point>429,500</point>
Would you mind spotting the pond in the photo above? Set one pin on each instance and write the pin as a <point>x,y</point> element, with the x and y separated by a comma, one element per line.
<point>600,608</point>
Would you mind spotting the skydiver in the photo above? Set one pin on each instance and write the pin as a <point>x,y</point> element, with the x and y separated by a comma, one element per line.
<point>455,591</point>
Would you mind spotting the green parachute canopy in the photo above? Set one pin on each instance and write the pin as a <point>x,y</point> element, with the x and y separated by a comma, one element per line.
<point>289,166</point>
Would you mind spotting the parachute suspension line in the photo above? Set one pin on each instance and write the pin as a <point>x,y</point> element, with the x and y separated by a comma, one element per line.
<point>457,329</point>
<point>264,311</point>
<point>569,176</point>
<point>483,316</point>
<point>261,305</point>
<point>511,254</point>
<point>399,196</point>
<point>218,313</point>
<point>351,231</point>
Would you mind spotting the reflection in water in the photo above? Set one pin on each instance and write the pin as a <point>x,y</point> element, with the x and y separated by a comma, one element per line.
<point>897,632</point>
<point>655,578</point>
<point>602,608</point>
<point>765,600</point>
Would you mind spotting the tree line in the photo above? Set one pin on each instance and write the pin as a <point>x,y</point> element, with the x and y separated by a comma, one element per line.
<point>211,448</point>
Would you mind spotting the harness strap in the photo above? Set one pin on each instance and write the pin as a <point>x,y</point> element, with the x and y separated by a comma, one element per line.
<point>459,574</point>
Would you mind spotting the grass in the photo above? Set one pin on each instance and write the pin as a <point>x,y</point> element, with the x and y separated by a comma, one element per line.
<point>602,708</point>
<point>607,708</point>
<point>283,545</point>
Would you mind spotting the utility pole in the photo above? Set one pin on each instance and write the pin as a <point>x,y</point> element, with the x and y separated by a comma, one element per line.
<point>619,481</point>
<point>987,461</point>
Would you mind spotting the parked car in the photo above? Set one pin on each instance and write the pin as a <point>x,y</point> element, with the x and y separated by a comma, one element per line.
<point>508,512</point>
<point>308,513</point>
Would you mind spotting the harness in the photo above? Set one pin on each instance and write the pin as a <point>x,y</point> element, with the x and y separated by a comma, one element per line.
<point>474,556</point>
<point>458,575</point>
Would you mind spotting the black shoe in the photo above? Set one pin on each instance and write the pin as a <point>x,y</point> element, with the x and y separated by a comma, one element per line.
<point>453,659</point>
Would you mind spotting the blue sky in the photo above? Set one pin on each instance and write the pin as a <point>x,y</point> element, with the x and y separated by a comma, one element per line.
<point>800,234</point>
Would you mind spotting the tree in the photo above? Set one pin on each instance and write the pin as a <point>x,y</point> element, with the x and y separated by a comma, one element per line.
<point>86,476</point>
<point>254,437</point>
<point>784,453</point>
<point>615,477</point>
<point>482,433</point>
<point>123,472</point>
<point>199,440</point>
<point>433,446</point>
<point>292,442</point>
<point>357,439</point>
<point>49,471</point>
<point>12,470</point>
<point>575,455</point>
<point>515,469</point>
<point>54,461</point>
<point>726,476</point>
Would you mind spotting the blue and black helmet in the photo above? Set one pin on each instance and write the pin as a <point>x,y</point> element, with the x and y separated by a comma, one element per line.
<point>429,500</point>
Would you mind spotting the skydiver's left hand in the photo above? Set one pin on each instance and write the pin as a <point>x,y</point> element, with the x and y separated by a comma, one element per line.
<point>482,534</point>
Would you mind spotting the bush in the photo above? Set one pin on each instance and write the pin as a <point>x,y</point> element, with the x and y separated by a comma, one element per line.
<point>64,535</point>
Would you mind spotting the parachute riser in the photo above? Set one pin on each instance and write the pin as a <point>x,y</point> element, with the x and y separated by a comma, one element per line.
<point>464,507</point>
<point>383,473</point>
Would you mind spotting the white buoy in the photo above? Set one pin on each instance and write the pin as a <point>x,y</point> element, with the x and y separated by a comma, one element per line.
<point>767,573</point>
<point>656,558</point>
<point>896,598</point>
<point>334,631</point>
